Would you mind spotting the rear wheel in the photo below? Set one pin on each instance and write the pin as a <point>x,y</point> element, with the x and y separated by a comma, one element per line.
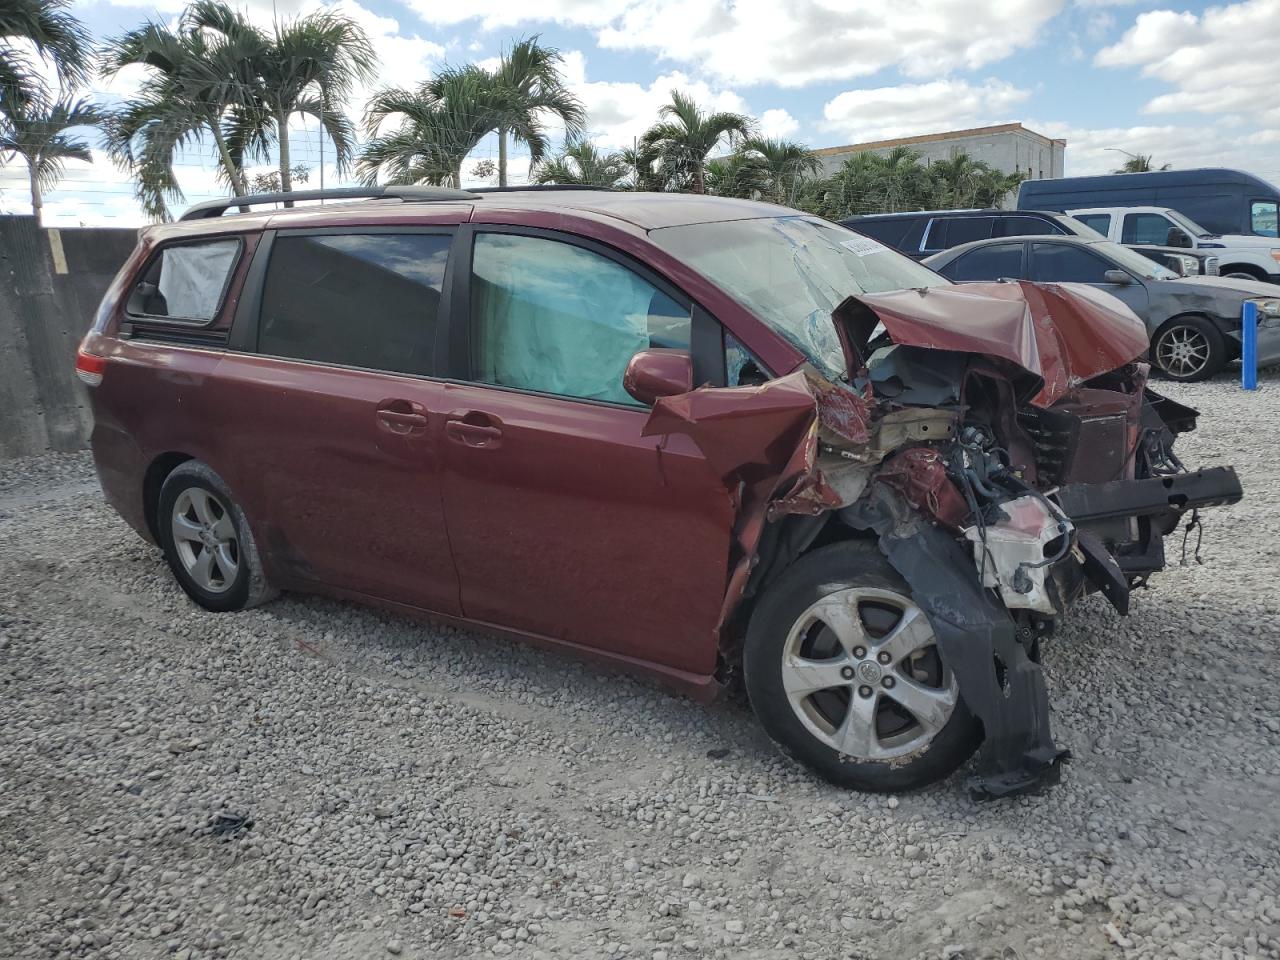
<point>1189,349</point>
<point>844,672</point>
<point>207,541</point>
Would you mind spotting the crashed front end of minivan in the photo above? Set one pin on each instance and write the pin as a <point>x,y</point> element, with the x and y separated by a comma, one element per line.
<point>1001,444</point>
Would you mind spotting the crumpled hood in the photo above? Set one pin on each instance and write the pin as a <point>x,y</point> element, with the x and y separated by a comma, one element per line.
<point>1061,333</point>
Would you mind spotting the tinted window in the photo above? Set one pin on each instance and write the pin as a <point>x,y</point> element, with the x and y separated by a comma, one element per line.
<point>1026,227</point>
<point>1262,217</point>
<point>1145,228</point>
<point>953,231</point>
<point>1062,263</point>
<point>891,232</point>
<point>989,263</point>
<point>362,300</point>
<point>1098,221</point>
<point>556,318</point>
<point>186,282</point>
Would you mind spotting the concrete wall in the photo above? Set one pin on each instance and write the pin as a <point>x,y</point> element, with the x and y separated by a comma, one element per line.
<point>1008,151</point>
<point>50,283</point>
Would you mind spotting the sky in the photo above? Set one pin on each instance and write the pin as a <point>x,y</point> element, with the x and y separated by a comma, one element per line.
<point>1190,84</point>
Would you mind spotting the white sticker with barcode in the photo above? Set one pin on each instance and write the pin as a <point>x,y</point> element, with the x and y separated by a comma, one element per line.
<point>861,246</point>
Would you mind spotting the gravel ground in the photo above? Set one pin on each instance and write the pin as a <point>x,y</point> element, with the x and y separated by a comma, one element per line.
<point>314,779</point>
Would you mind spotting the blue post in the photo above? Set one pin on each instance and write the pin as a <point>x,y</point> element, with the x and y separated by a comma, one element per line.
<point>1249,346</point>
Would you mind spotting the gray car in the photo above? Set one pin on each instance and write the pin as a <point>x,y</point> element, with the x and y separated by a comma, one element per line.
<point>1194,322</point>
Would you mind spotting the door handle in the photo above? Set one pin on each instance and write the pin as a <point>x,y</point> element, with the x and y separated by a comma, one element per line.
<point>474,429</point>
<point>402,417</point>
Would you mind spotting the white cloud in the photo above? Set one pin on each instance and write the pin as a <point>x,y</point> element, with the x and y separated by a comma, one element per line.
<point>493,14</point>
<point>1102,150</point>
<point>885,112</point>
<point>619,112</point>
<point>805,41</point>
<point>778,123</point>
<point>1221,61</point>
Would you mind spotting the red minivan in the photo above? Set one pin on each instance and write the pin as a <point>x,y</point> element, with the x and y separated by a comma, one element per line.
<point>713,440</point>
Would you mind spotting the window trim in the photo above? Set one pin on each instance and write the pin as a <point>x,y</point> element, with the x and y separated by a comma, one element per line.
<point>458,363</point>
<point>190,323</point>
<point>246,327</point>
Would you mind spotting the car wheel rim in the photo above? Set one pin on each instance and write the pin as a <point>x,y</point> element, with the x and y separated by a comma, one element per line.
<point>862,671</point>
<point>205,539</point>
<point>1183,351</point>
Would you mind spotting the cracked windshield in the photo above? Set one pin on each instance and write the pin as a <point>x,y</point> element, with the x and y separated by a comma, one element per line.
<point>792,272</point>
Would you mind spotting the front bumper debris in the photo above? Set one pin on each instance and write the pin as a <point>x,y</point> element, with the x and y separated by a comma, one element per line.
<point>1091,502</point>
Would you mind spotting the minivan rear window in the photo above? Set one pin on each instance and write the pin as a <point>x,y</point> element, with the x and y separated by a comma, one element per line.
<point>185,282</point>
<point>358,300</point>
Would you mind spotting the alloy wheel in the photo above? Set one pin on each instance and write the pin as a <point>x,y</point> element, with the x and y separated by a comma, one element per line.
<point>205,539</point>
<point>862,672</point>
<point>1183,351</point>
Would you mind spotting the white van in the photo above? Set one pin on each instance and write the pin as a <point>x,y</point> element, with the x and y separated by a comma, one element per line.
<point>1240,257</point>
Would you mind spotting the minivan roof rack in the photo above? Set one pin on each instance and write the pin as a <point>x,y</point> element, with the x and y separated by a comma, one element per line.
<point>406,194</point>
<point>543,188</point>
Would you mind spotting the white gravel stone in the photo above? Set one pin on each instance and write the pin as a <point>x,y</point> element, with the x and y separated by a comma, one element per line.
<point>317,779</point>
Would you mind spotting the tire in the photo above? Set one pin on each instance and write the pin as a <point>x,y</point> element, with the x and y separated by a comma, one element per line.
<point>789,626</point>
<point>1188,349</point>
<point>207,541</point>
<point>1239,273</point>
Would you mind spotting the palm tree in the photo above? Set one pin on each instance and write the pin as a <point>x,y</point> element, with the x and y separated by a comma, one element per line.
<point>871,183</point>
<point>1138,163</point>
<point>993,186</point>
<point>580,163</point>
<point>528,86</point>
<point>441,122</point>
<point>201,74</point>
<point>957,179</point>
<point>785,163</point>
<point>678,145</point>
<point>306,66</point>
<point>57,36</point>
<point>740,174</point>
<point>37,132</point>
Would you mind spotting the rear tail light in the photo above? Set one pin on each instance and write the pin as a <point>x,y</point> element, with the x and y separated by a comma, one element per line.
<point>89,368</point>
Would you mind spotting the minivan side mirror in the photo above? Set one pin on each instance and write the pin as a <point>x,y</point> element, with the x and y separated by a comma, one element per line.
<point>1117,276</point>
<point>1177,238</point>
<point>651,374</point>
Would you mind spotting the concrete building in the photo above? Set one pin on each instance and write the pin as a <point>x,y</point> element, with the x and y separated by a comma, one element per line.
<point>1008,147</point>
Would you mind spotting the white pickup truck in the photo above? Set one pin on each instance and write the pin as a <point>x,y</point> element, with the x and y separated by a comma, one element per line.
<point>1240,257</point>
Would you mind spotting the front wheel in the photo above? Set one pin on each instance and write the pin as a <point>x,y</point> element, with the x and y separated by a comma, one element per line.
<point>844,673</point>
<point>1189,349</point>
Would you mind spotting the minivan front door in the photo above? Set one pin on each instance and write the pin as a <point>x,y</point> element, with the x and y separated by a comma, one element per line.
<point>338,420</point>
<point>565,522</point>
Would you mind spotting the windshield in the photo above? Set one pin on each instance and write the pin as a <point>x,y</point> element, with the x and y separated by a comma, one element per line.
<point>792,272</point>
<point>1135,262</point>
<point>1187,224</point>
